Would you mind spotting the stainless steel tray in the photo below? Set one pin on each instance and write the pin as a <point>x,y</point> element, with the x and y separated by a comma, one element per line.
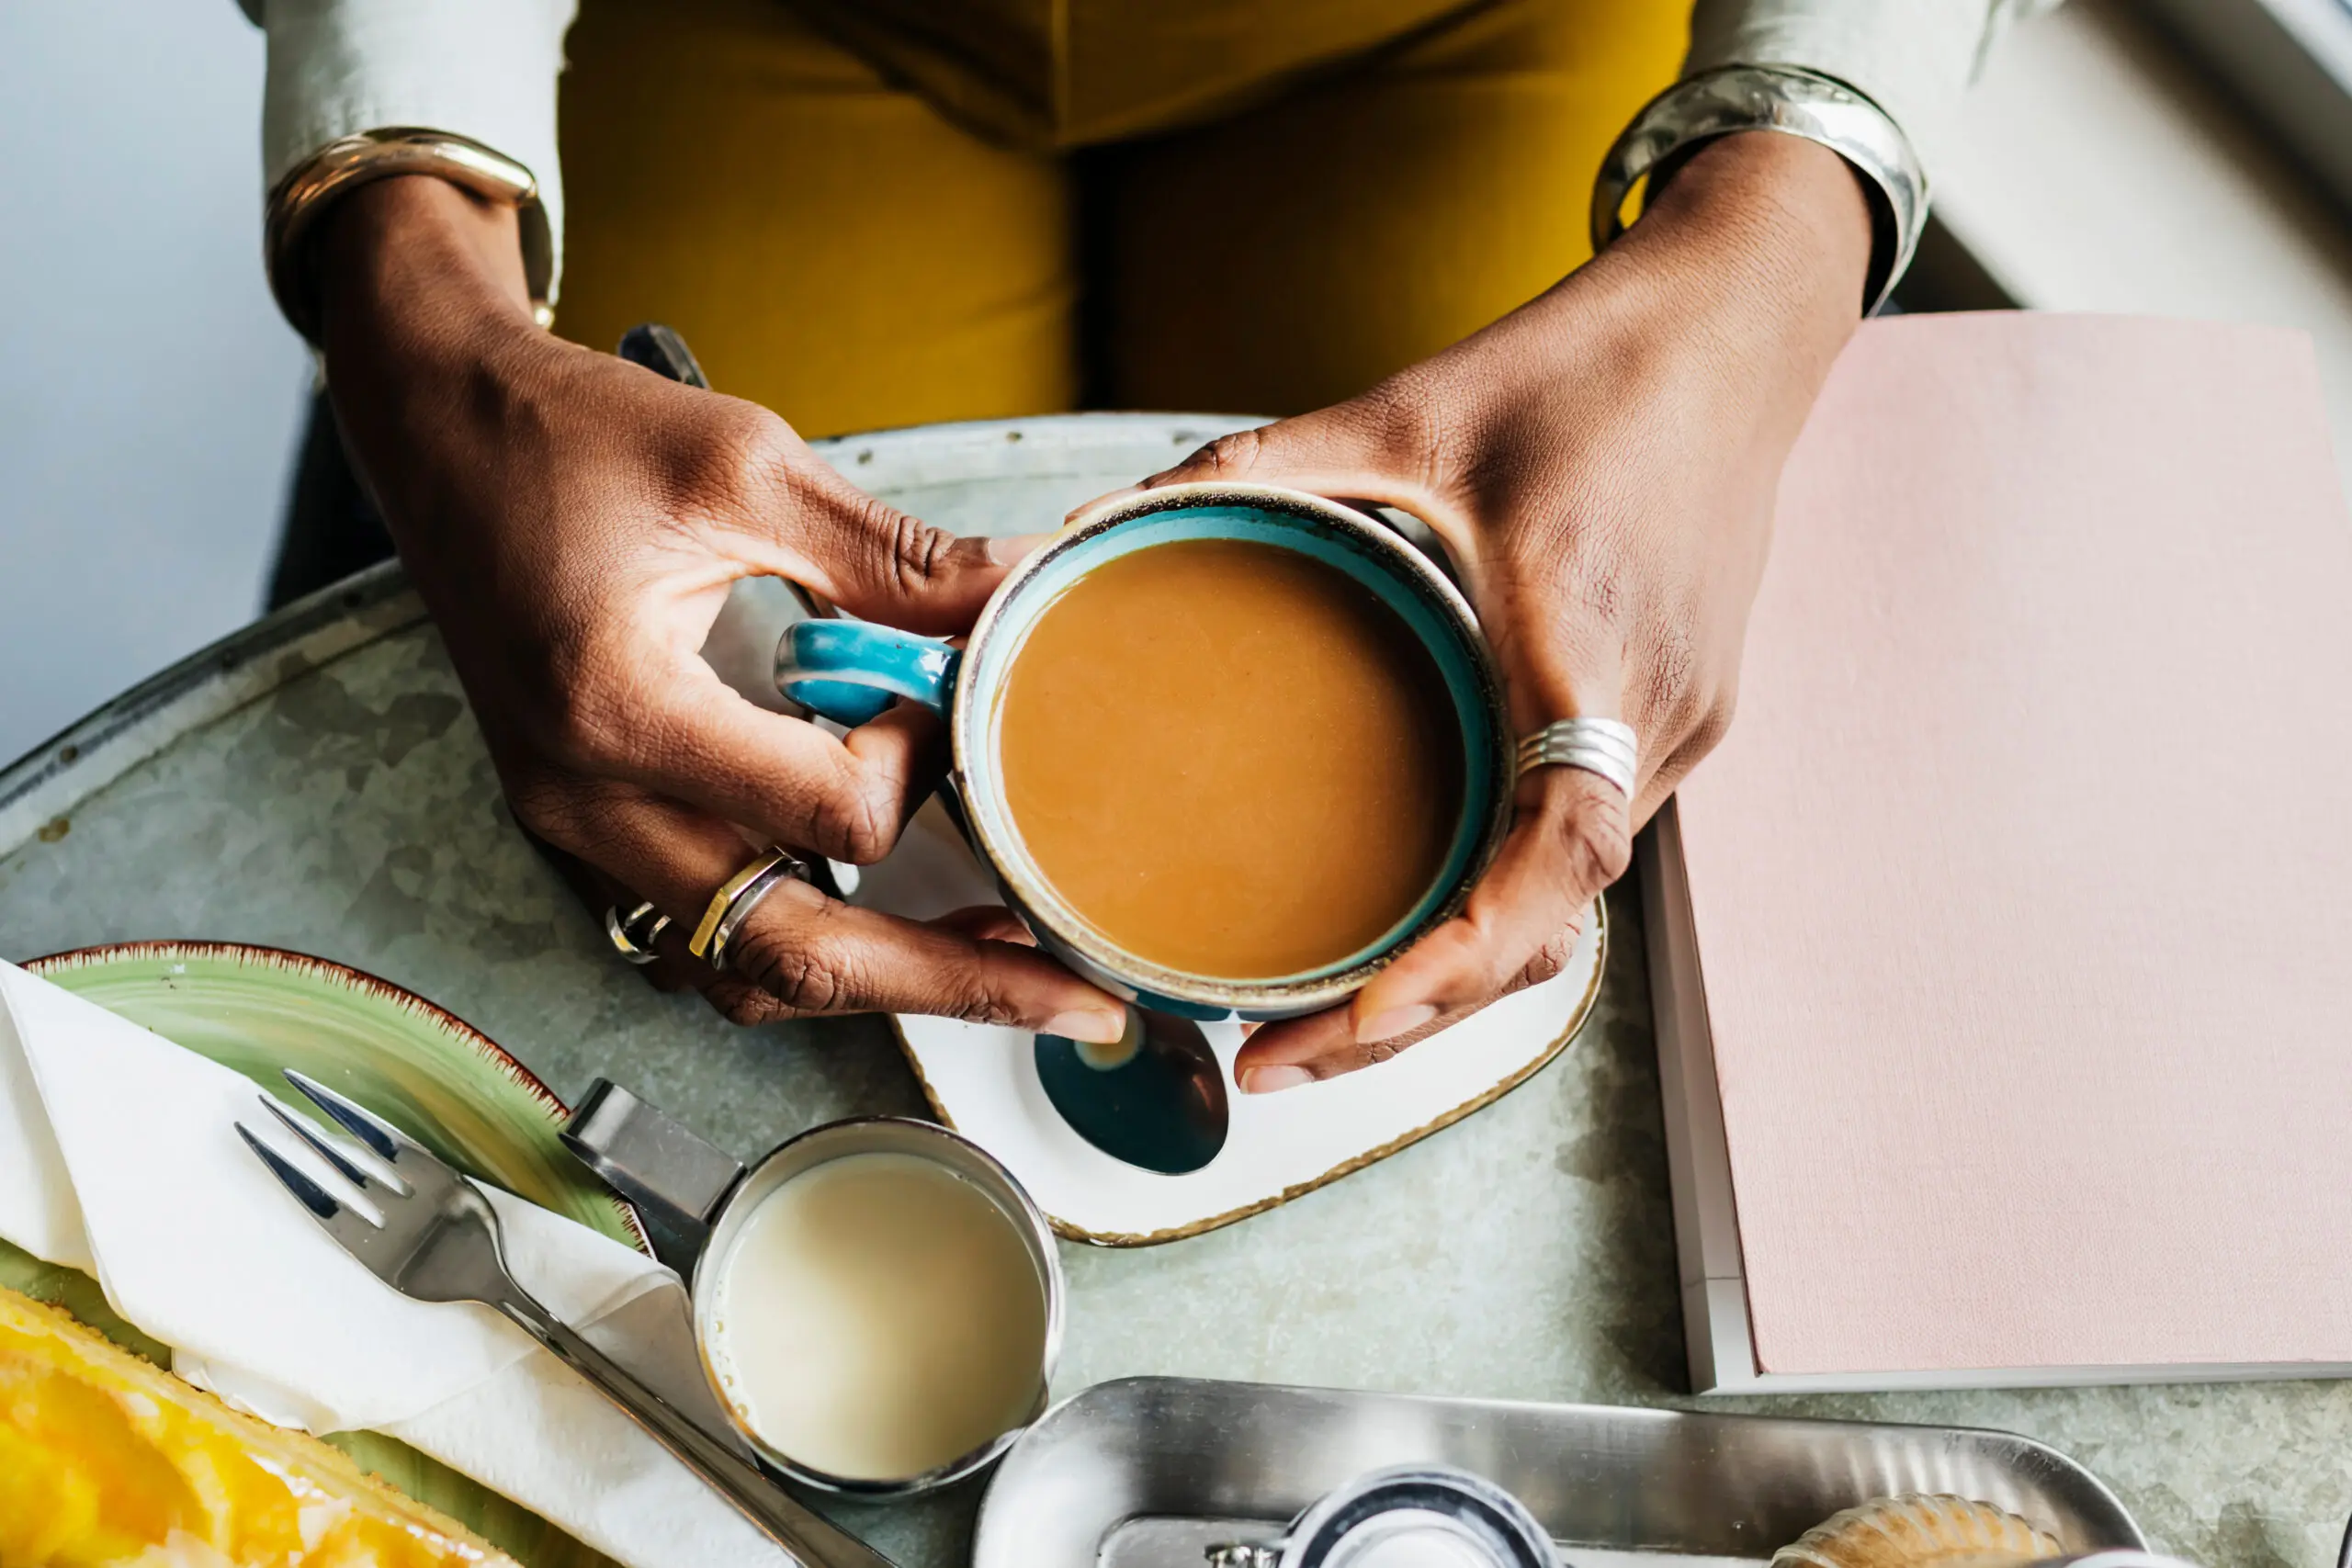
<point>1146,1472</point>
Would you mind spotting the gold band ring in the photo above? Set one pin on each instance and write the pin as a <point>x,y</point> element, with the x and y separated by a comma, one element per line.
<point>735,899</point>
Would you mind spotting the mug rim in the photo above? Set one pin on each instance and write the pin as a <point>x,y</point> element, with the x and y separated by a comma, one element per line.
<point>1037,1233</point>
<point>968,721</point>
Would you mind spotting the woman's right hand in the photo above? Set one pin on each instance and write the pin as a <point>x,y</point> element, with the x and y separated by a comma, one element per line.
<point>574,523</point>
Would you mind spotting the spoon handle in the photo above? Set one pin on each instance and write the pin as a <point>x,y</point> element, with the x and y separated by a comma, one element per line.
<point>812,1539</point>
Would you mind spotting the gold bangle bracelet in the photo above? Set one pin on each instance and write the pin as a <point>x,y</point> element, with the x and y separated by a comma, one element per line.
<point>344,164</point>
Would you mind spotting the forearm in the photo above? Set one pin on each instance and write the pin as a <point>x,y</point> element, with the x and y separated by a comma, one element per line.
<point>426,327</point>
<point>1737,288</point>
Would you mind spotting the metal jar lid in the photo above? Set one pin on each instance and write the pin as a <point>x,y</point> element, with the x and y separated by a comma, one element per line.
<point>1405,1517</point>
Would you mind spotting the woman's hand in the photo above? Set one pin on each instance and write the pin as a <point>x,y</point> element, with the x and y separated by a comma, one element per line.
<point>573,522</point>
<point>1602,464</point>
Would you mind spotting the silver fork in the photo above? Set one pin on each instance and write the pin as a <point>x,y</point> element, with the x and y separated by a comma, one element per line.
<point>438,1241</point>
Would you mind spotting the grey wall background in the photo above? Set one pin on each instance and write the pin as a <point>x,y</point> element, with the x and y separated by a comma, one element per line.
<point>149,392</point>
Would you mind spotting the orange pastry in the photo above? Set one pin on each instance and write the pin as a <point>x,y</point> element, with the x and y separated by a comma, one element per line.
<point>1917,1530</point>
<point>106,1458</point>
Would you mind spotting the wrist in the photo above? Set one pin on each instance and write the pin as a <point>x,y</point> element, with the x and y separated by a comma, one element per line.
<point>426,329</point>
<point>417,276</point>
<point>1771,226</point>
<point>1730,298</point>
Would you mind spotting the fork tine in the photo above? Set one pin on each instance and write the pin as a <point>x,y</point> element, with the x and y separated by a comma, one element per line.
<point>354,1228</point>
<point>314,1197</point>
<point>380,1135</point>
<point>317,1143</point>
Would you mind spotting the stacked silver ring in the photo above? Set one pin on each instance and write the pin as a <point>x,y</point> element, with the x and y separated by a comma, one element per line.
<point>1602,746</point>
<point>633,936</point>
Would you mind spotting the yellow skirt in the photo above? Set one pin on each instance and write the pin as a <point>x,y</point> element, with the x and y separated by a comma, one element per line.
<point>894,211</point>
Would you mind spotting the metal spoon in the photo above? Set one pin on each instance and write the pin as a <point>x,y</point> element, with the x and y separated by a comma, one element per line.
<point>1154,1100</point>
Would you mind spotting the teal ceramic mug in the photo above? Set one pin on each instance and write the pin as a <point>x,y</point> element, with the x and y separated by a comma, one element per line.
<point>851,671</point>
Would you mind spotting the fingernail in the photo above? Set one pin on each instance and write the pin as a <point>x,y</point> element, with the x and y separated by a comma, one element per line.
<point>1086,1023</point>
<point>1103,1059</point>
<point>1103,502</point>
<point>1271,1080</point>
<point>1013,551</point>
<point>1388,1025</point>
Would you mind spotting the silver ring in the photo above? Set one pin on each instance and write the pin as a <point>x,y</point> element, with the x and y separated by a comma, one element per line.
<point>1601,746</point>
<point>623,930</point>
<point>783,868</point>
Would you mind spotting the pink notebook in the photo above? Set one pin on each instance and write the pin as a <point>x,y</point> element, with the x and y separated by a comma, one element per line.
<point>2003,953</point>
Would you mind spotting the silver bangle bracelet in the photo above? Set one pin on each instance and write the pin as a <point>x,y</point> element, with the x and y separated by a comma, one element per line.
<point>347,163</point>
<point>1794,102</point>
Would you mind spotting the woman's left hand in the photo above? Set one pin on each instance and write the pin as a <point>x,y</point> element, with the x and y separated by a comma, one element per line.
<point>1602,464</point>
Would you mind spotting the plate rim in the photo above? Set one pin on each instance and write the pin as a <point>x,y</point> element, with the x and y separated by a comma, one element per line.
<point>259,955</point>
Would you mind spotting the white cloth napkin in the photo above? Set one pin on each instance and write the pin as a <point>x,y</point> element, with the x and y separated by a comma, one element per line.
<point>118,1156</point>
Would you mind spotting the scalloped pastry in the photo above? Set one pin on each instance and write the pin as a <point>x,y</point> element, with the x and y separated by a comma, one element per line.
<point>106,1458</point>
<point>1917,1530</point>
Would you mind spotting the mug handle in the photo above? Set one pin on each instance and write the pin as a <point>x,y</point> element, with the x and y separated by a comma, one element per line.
<point>849,670</point>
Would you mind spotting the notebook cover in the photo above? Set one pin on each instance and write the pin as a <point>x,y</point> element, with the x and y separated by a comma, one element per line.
<point>2022,886</point>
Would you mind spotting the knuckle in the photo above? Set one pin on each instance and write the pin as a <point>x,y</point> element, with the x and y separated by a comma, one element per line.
<point>800,979</point>
<point>1672,685</point>
<point>560,811</point>
<point>744,1007</point>
<point>858,822</point>
<point>1597,845</point>
<point>1228,456</point>
<point>1546,962</point>
<point>915,555</point>
<point>980,1005</point>
<point>744,448</point>
<point>1715,723</point>
<point>801,968</point>
<point>544,805</point>
<point>1686,723</point>
<point>1709,724</point>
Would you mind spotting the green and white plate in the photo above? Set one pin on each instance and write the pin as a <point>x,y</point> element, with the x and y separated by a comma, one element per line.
<point>259,1010</point>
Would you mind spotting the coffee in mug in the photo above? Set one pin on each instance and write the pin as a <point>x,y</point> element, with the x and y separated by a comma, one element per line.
<point>1226,748</point>
<point>1230,758</point>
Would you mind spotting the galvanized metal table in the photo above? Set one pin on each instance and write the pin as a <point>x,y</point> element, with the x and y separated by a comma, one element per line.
<point>315,783</point>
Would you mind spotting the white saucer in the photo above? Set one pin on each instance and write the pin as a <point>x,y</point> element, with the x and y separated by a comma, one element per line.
<point>982,1080</point>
